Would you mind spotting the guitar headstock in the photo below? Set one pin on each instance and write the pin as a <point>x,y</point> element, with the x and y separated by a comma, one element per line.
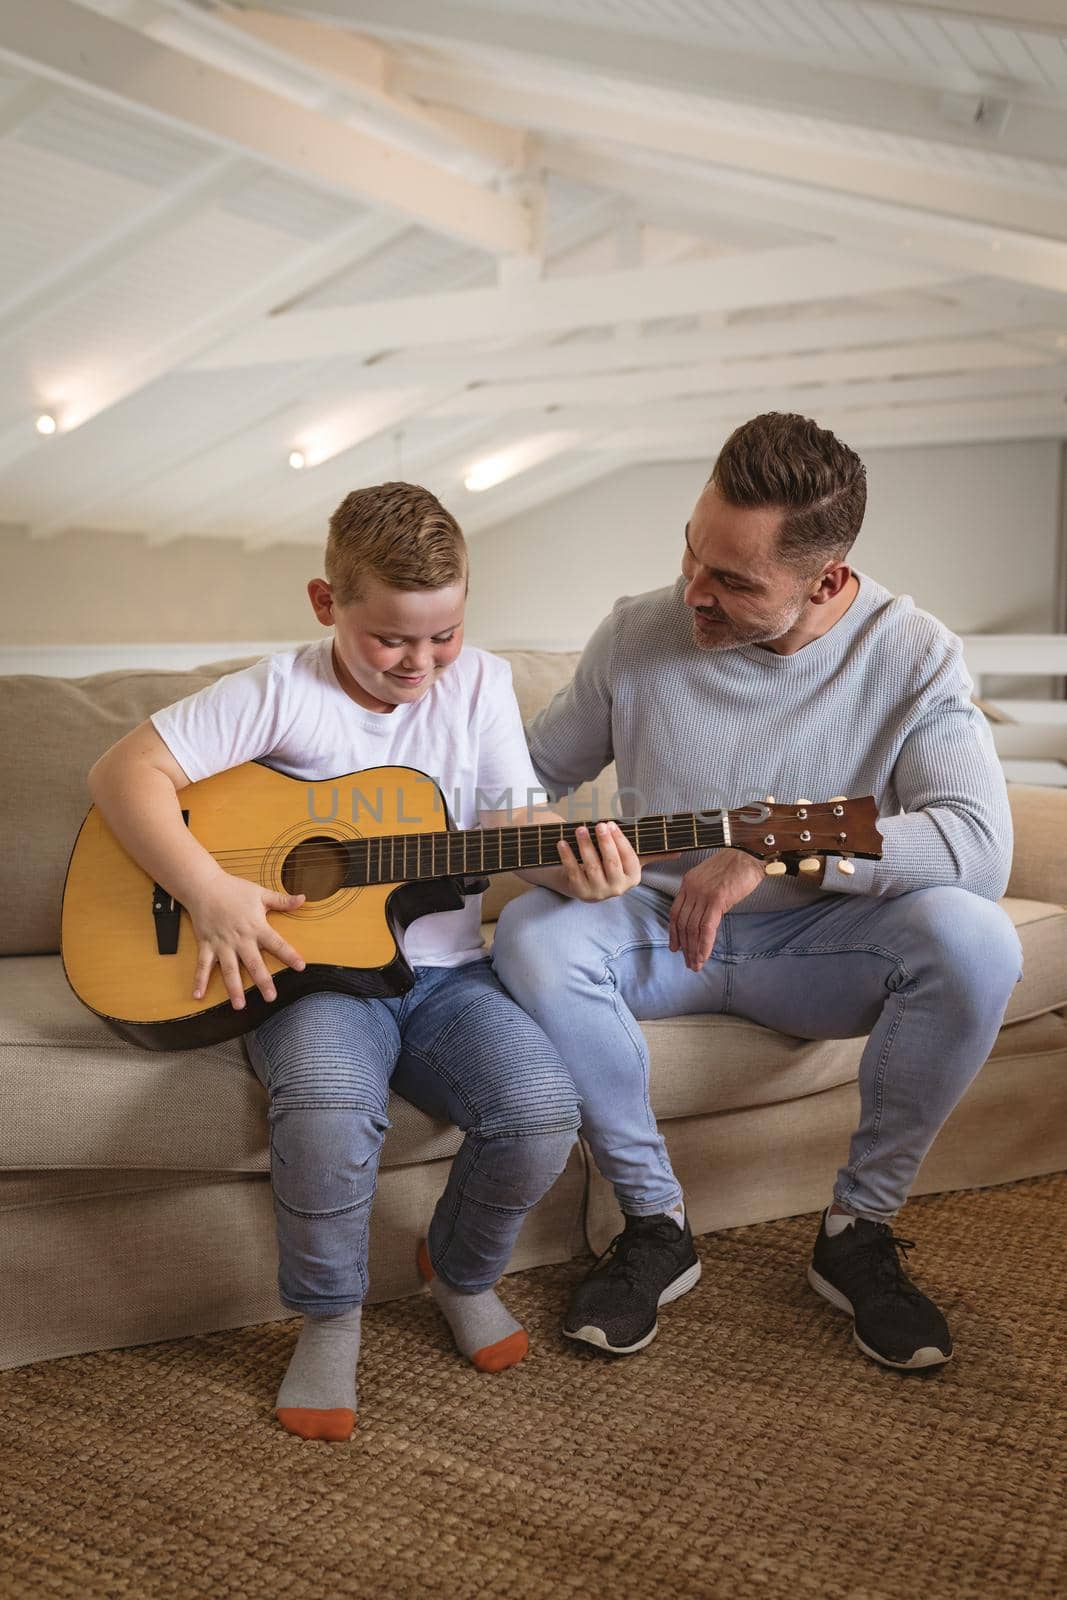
<point>806,832</point>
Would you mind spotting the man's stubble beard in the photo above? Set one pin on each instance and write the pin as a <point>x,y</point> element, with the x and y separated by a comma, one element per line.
<point>731,636</point>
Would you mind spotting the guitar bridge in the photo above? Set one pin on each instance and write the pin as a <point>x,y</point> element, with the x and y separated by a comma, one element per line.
<point>167,915</point>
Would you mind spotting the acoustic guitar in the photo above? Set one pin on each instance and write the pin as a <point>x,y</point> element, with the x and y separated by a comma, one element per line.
<point>371,851</point>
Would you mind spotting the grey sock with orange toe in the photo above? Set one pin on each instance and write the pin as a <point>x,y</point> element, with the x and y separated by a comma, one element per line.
<point>317,1399</point>
<point>482,1326</point>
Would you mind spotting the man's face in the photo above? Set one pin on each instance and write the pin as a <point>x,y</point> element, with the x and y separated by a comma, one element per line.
<point>738,588</point>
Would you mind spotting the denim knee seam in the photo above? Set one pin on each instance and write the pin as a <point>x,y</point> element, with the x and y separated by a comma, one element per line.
<point>317,1216</point>
<point>282,1103</point>
<point>534,1130</point>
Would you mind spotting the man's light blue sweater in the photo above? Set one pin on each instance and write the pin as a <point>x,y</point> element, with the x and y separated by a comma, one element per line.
<point>880,704</point>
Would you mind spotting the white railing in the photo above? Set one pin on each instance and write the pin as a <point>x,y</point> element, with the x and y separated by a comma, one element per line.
<point>81,660</point>
<point>1030,735</point>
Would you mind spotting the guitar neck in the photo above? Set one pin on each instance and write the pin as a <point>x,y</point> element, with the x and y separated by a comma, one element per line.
<point>481,852</point>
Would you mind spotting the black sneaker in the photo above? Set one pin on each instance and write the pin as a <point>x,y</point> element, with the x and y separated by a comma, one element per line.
<point>859,1271</point>
<point>614,1307</point>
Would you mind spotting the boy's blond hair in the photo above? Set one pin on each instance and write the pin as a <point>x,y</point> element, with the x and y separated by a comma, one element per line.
<point>400,534</point>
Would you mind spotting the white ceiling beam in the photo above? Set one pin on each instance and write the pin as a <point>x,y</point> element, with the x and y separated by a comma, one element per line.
<point>819,166</point>
<point>365,416</point>
<point>1043,16</point>
<point>21,104</point>
<point>81,269</point>
<point>780,336</point>
<point>445,465</point>
<point>307,269</point>
<point>364,68</point>
<point>65,43</point>
<point>733,377</point>
<point>1046,384</point>
<point>360,431</point>
<point>1019,417</point>
<point>762,278</point>
<point>141,469</point>
<point>710,72</point>
<point>867,431</point>
<point>292,390</point>
<point>965,422</point>
<point>877,226</point>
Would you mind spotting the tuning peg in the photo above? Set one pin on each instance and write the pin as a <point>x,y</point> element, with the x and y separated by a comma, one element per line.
<point>836,799</point>
<point>809,864</point>
<point>768,799</point>
<point>774,869</point>
<point>802,802</point>
<point>846,867</point>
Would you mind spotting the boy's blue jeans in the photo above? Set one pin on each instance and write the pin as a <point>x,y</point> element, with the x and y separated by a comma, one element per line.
<point>926,975</point>
<point>459,1048</point>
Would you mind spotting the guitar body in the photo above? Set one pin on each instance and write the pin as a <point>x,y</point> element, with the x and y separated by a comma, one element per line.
<point>117,926</point>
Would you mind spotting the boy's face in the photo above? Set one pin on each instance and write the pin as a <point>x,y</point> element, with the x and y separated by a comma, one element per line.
<point>390,646</point>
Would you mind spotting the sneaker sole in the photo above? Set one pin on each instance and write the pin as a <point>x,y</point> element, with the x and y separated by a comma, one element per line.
<point>596,1336</point>
<point>928,1356</point>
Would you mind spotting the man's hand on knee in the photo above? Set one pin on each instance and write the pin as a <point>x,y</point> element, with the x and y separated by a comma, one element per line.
<point>707,891</point>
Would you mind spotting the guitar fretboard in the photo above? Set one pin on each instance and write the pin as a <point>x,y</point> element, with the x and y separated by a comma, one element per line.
<point>404,857</point>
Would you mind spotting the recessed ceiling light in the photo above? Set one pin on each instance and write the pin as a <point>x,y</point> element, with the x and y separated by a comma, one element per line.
<point>45,423</point>
<point>297,459</point>
<point>519,457</point>
<point>484,474</point>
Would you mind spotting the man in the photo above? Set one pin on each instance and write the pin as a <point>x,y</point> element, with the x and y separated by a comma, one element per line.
<point>772,666</point>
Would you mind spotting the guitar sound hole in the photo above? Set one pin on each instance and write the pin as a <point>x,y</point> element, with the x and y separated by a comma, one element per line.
<point>316,868</point>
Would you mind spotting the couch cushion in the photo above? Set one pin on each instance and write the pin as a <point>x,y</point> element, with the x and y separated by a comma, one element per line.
<point>51,732</point>
<point>699,1065</point>
<point>1042,930</point>
<point>538,675</point>
<point>1039,862</point>
<point>73,1094</point>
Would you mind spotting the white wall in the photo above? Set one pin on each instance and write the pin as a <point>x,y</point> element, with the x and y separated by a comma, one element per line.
<point>970,531</point>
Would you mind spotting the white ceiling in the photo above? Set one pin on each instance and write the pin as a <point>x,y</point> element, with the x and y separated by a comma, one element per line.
<point>405,236</point>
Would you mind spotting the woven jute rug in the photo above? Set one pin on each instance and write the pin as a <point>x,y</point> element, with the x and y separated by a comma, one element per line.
<point>750,1451</point>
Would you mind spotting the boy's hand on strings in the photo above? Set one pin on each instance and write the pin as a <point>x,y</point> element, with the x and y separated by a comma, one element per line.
<point>229,920</point>
<point>605,865</point>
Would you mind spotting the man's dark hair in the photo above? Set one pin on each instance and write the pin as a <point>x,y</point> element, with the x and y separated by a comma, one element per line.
<point>787,462</point>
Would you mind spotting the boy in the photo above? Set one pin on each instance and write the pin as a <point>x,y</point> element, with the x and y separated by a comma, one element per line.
<point>395,687</point>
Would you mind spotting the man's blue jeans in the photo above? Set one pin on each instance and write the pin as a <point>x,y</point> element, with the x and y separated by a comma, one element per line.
<point>459,1048</point>
<point>926,975</point>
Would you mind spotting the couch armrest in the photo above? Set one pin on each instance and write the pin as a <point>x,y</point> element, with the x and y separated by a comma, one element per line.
<point>1039,865</point>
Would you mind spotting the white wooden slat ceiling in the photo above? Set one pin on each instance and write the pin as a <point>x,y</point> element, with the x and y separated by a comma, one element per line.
<point>408,237</point>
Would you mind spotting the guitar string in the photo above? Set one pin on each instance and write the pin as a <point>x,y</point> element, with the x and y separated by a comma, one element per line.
<point>508,858</point>
<point>400,843</point>
<point>678,833</point>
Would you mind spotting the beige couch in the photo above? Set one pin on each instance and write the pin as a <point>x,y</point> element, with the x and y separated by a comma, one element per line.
<point>134,1191</point>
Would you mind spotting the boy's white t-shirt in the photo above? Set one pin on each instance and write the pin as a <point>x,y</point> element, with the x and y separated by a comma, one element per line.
<point>290,712</point>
